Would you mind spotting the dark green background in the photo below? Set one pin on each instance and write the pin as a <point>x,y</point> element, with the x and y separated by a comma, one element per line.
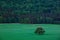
<point>30,11</point>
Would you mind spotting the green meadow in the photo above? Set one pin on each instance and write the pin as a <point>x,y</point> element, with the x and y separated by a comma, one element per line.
<point>26,32</point>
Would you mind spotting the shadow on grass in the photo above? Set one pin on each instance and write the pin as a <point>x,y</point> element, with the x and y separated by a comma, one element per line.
<point>59,37</point>
<point>0,38</point>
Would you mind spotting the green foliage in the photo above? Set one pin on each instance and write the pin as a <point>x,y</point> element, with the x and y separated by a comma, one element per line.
<point>41,10</point>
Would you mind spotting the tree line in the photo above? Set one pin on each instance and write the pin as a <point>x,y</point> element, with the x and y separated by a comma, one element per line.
<point>31,12</point>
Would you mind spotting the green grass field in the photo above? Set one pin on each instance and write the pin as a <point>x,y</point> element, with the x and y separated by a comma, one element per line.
<point>26,32</point>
